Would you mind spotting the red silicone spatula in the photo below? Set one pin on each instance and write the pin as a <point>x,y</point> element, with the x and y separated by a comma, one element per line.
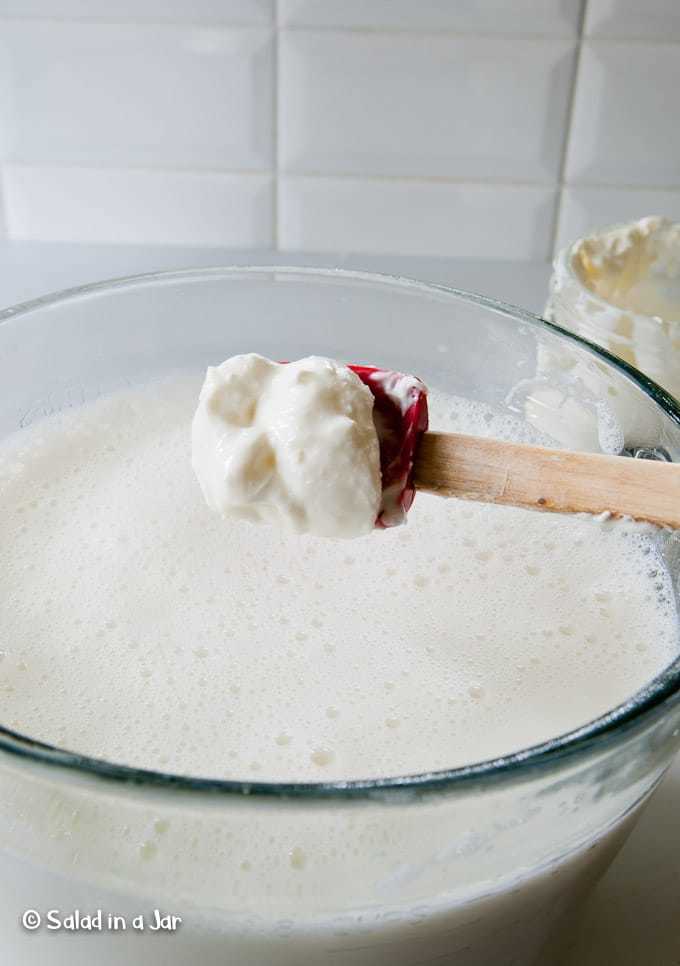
<point>493,471</point>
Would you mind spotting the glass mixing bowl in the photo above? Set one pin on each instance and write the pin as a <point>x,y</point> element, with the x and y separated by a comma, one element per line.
<point>476,865</point>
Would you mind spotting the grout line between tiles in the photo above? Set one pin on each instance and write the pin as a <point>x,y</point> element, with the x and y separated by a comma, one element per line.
<point>490,181</point>
<point>275,127</point>
<point>387,29</point>
<point>609,186</point>
<point>599,39</point>
<point>141,22</point>
<point>574,36</point>
<point>432,31</point>
<point>567,131</point>
<point>4,222</point>
<point>267,173</point>
<point>138,168</point>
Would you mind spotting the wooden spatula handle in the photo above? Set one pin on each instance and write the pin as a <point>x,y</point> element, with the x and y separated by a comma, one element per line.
<point>493,471</point>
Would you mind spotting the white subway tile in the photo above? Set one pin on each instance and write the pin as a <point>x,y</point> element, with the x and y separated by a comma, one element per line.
<point>491,16</point>
<point>625,128</point>
<point>585,209</point>
<point>139,11</point>
<point>659,19</point>
<point>100,205</point>
<point>422,105</point>
<point>414,217</point>
<point>114,94</point>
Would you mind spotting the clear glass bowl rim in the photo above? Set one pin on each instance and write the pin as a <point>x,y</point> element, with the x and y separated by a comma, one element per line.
<point>642,708</point>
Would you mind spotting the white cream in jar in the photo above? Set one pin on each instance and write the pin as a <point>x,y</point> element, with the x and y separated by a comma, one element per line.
<point>620,288</point>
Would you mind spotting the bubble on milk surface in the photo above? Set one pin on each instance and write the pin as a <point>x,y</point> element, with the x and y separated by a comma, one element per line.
<point>154,634</point>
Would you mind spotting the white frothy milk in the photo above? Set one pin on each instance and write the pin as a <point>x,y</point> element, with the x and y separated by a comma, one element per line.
<point>139,627</point>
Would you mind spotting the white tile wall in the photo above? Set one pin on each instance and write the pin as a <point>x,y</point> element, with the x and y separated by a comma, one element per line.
<point>552,17</point>
<point>440,127</point>
<point>167,96</point>
<point>69,203</point>
<point>140,11</point>
<point>634,19</point>
<point>584,209</point>
<point>420,217</point>
<point>625,128</point>
<point>422,105</point>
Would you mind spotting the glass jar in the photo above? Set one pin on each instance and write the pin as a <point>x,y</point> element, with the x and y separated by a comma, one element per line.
<point>646,277</point>
<point>474,865</point>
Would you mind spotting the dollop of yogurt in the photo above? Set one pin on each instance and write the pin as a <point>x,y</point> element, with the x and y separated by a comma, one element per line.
<point>292,444</point>
<point>635,266</point>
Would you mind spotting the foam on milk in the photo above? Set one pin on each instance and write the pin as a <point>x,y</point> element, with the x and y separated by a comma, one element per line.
<point>139,627</point>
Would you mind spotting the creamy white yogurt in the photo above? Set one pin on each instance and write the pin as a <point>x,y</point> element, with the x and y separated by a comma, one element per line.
<point>290,444</point>
<point>635,267</point>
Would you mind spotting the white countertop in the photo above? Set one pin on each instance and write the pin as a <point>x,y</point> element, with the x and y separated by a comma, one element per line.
<point>633,918</point>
